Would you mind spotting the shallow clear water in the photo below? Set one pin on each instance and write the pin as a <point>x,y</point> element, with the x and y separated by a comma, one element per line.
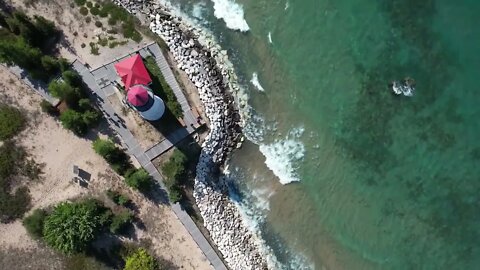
<point>385,181</point>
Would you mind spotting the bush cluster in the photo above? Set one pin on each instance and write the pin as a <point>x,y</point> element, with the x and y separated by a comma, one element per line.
<point>120,222</point>
<point>140,260</point>
<point>174,171</point>
<point>117,197</point>
<point>71,226</point>
<point>162,89</point>
<point>80,115</point>
<point>34,223</point>
<point>12,121</point>
<point>115,156</point>
<point>13,205</point>
<point>139,179</point>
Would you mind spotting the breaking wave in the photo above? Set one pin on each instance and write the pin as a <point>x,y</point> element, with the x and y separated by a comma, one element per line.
<point>281,156</point>
<point>256,82</point>
<point>231,13</point>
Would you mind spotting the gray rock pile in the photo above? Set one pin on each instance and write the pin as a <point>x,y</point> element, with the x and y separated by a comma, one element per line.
<point>208,68</point>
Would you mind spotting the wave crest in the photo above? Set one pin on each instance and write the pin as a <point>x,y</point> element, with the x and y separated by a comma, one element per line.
<point>231,13</point>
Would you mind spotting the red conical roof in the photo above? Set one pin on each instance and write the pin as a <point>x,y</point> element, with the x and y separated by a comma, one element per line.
<point>137,96</point>
<point>133,71</point>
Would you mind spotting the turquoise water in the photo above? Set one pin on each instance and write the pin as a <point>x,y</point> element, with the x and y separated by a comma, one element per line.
<point>385,182</point>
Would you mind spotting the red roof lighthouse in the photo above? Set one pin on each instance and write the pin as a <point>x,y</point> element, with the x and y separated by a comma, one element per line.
<point>133,71</point>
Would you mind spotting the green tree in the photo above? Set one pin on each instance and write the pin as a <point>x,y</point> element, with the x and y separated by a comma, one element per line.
<point>140,260</point>
<point>65,91</point>
<point>73,121</point>
<point>91,118</point>
<point>19,53</point>
<point>139,179</point>
<point>12,121</point>
<point>72,226</point>
<point>72,78</point>
<point>120,222</point>
<point>34,223</point>
<point>50,65</point>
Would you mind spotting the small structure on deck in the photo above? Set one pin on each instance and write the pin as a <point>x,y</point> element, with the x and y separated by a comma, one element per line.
<point>136,79</point>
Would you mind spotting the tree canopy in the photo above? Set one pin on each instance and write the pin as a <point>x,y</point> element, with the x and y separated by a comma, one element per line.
<point>139,179</point>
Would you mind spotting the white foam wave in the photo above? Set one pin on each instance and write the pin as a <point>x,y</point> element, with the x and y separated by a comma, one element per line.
<point>287,5</point>
<point>198,10</point>
<point>256,82</point>
<point>281,156</point>
<point>270,37</point>
<point>231,13</point>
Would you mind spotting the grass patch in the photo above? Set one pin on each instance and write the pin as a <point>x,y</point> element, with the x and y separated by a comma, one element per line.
<point>161,88</point>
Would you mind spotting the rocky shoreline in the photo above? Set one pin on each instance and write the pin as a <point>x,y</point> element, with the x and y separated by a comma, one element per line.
<point>208,68</point>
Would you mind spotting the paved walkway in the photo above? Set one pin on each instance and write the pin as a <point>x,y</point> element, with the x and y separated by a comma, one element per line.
<point>134,148</point>
<point>38,86</point>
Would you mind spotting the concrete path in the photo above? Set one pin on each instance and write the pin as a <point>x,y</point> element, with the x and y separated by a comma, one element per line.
<point>134,148</point>
<point>38,86</point>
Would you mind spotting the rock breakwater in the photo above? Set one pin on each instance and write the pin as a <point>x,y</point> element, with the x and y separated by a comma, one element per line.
<point>207,66</point>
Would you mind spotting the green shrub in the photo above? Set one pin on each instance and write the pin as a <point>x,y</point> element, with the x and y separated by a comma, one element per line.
<point>112,21</point>
<point>139,179</point>
<point>103,42</point>
<point>112,31</point>
<point>174,171</point>
<point>34,223</point>
<point>14,206</point>
<point>12,121</point>
<point>84,11</point>
<point>72,226</point>
<point>48,108</point>
<point>73,120</point>
<point>120,222</point>
<point>175,194</point>
<point>95,11</point>
<point>11,156</point>
<point>117,158</point>
<point>140,260</point>
<point>88,19</point>
<point>94,49</point>
<point>80,2</point>
<point>117,197</point>
<point>89,4</point>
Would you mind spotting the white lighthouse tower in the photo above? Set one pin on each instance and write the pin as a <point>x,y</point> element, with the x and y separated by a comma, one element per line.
<point>150,106</point>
